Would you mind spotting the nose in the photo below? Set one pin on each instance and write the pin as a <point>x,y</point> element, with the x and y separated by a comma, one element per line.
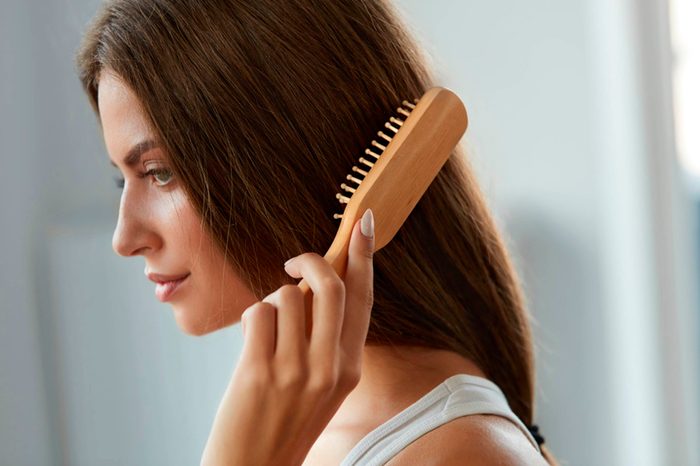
<point>135,233</point>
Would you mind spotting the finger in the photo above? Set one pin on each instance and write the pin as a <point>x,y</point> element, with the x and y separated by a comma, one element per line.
<point>291,321</point>
<point>328,298</point>
<point>259,342</point>
<point>359,286</point>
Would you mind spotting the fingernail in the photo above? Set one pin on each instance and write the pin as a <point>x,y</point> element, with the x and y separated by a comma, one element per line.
<point>289,260</point>
<point>367,223</point>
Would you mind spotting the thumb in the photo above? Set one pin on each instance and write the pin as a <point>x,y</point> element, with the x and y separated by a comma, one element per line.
<point>359,283</point>
<point>363,244</point>
<point>358,271</point>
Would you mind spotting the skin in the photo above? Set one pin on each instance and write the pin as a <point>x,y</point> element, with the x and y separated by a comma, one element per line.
<point>158,223</point>
<point>297,399</point>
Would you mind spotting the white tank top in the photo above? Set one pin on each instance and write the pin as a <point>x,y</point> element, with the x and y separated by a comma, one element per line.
<point>458,395</point>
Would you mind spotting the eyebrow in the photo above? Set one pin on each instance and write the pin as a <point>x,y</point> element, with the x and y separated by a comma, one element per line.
<point>134,155</point>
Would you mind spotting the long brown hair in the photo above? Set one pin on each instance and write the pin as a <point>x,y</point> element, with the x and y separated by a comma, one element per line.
<point>263,106</point>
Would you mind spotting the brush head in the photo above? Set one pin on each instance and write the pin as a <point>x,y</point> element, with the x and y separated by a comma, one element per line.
<point>394,173</point>
<point>397,169</point>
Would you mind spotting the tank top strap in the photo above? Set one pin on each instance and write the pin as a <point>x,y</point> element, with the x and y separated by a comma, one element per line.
<point>458,395</point>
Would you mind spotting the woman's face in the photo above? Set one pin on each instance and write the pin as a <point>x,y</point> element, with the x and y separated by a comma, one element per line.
<point>156,221</point>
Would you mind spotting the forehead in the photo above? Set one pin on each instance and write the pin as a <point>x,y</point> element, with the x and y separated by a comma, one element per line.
<point>124,123</point>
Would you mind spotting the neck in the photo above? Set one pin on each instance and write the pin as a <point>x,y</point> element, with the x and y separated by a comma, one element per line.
<point>394,378</point>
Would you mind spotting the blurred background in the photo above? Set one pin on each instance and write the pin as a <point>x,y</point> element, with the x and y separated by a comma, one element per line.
<point>583,133</point>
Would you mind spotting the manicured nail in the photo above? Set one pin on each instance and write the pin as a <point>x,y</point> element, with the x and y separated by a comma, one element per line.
<point>289,260</point>
<point>367,223</point>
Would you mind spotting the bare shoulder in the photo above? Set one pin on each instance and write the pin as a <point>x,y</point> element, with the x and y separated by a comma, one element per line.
<point>471,440</point>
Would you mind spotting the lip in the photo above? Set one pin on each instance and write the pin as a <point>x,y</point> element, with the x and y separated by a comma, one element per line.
<point>167,285</point>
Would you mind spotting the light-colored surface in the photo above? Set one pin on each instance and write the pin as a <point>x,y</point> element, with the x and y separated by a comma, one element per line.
<point>685,15</point>
<point>25,438</point>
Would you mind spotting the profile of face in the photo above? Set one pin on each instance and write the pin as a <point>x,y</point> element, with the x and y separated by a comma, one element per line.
<point>157,221</point>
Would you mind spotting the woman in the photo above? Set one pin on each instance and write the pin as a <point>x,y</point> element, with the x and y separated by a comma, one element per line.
<point>233,123</point>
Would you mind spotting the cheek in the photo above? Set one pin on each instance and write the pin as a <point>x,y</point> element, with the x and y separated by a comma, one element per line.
<point>181,227</point>
<point>219,288</point>
<point>219,295</point>
<point>222,281</point>
<point>181,224</point>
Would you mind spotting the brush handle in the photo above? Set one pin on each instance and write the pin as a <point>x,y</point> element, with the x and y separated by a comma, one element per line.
<point>337,257</point>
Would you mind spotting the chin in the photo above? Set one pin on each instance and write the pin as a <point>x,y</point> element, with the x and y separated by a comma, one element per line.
<point>196,327</point>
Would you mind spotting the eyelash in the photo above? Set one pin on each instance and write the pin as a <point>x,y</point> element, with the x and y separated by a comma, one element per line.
<point>152,172</point>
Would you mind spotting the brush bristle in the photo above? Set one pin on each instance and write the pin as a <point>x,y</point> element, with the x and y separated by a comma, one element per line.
<point>375,151</point>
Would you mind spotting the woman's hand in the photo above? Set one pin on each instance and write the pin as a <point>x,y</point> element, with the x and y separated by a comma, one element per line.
<point>287,387</point>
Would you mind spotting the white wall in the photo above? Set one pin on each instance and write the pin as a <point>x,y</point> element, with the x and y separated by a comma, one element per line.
<point>24,437</point>
<point>572,148</point>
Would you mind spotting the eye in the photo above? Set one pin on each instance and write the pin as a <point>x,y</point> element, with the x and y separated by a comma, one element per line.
<point>161,176</point>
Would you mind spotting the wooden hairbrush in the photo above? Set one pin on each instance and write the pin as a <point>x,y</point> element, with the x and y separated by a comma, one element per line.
<point>395,172</point>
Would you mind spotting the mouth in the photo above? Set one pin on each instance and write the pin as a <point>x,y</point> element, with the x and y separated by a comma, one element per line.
<point>167,286</point>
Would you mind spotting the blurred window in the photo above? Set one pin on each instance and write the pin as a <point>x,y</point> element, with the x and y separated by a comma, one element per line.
<point>685,33</point>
